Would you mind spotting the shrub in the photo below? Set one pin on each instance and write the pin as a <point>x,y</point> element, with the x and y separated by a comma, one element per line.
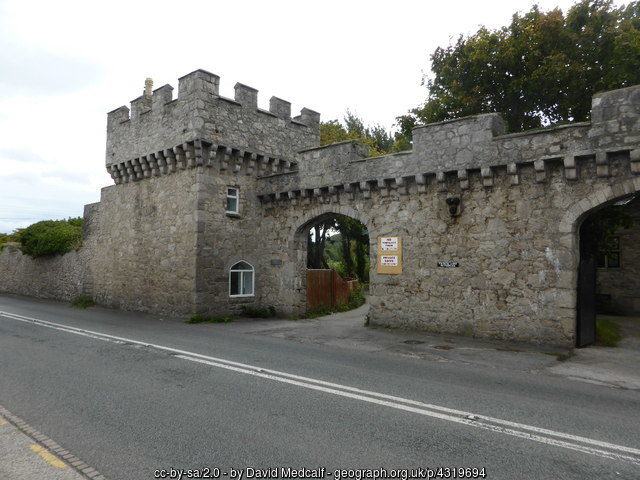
<point>52,237</point>
<point>83,301</point>
<point>10,238</point>
<point>356,297</point>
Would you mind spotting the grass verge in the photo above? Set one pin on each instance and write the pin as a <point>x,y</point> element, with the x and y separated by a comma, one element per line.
<point>208,319</point>
<point>562,357</point>
<point>607,333</point>
<point>83,301</point>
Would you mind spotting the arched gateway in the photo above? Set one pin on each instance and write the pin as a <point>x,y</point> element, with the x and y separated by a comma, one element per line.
<point>485,223</point>
<point>314,216</point>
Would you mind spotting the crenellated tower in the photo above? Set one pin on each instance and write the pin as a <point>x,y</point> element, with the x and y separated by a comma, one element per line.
<point>159,134</point>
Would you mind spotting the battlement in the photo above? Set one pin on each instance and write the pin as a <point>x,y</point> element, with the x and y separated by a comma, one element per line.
<point>473,147</point>
<point>156,121</point>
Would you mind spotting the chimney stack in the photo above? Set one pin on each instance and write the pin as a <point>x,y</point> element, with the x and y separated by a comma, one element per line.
<point>148,88</point>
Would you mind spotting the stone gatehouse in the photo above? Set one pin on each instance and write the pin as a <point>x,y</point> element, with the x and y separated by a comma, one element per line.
<point>213,196</point>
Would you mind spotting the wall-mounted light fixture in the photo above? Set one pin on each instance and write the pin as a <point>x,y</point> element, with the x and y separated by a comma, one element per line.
<point>454,206</point>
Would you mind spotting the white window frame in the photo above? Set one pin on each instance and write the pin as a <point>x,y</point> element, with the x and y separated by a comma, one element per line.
<point>241,271</point>
<point>236,197</point>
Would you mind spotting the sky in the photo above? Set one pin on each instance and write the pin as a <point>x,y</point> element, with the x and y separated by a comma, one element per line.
<point>65,64</point>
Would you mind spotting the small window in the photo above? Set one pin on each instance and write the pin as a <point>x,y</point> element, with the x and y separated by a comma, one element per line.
<point>241,280</point>
<point>612,258</point>
<point>232,200</point>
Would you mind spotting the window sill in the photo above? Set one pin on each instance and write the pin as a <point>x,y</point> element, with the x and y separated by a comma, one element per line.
<point>241,296</point>
<point>233,215</point>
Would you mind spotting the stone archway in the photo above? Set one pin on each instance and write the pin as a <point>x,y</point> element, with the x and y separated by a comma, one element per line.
<point>300,243</point>
<point>570,223</point>
<point>328,209</point>
<point>583,278</point>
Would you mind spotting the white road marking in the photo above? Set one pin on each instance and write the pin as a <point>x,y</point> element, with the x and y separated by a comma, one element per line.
<point>542,435</point>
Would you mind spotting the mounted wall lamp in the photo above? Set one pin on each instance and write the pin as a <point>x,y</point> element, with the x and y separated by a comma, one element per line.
<point>454,206</point>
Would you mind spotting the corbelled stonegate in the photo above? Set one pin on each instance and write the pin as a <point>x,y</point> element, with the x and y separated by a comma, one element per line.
<point>213,198</point>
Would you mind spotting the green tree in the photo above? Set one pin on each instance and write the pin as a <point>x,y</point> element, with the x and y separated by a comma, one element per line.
<point>354,250</point>
<point>13,237</point>
<point>332,132</point>
<point>344,246</point>
<point>375,137</point>
<point>541,69</point>
<point>317,240</point>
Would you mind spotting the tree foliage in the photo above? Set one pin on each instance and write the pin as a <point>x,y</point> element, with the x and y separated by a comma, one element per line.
<point>51,237</point>
<point>349,250</point>
<point>317,240</point>
<point>541,69</point>
<point>13,237</point>
<point>341,243</point>
<point>375,137</point>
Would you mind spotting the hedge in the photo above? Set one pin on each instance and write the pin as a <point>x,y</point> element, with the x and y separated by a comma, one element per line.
<point>52,237</point>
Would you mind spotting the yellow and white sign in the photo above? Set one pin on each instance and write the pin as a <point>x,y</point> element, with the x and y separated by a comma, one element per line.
<point>389,255</point>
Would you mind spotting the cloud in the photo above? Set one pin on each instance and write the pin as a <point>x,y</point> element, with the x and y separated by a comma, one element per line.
<point>68,176</point>
<point>28,70</point>
<point>20,155</point>
<point>18,177</point>
<point>27,198</point>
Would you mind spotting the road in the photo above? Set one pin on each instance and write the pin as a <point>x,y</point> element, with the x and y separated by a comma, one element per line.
<point>130,394</point>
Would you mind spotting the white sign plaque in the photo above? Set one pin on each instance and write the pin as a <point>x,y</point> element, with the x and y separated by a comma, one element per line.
<point>389,260</point>
<point>448,264</point>
<point>389,243</point>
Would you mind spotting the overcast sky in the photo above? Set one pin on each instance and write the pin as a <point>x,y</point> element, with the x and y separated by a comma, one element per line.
<point>65,64</point>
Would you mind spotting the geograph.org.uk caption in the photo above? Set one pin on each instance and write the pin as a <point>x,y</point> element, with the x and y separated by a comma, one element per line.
<point>288,473</point>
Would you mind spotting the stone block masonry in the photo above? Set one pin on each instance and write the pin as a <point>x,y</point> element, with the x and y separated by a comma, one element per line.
<point>161,238</point>
<point>63,277</point>
<point>160,135</point>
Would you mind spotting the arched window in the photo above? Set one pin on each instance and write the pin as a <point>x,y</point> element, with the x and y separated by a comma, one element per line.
<point>241,280</point>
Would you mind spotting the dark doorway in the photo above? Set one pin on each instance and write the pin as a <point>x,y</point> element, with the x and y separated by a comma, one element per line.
<point>600,256</point>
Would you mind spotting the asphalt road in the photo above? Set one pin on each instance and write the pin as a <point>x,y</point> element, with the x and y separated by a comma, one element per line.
<point>179,401</point>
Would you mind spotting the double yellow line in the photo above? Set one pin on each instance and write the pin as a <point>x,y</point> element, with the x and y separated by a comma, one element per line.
<point>50,458</point>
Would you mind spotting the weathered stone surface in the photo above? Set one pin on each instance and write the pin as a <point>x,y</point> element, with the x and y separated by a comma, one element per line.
<point>63,277</point>
<point>200,112</point>
<point>143,244</point>
<point>160,239</point>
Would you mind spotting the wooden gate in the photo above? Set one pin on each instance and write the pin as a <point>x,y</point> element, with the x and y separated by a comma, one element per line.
<point>326,289</point>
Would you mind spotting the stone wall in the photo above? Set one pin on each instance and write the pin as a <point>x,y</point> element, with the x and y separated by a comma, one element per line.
<point>224,239</point>
<point>622,284</point>
<point>515,245</point>
<point>142,245</point>
<point>161,241</point>
<point>164,242</point>
<point>62,277</point>
<point>459,147</point>
<point>523,197</point>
